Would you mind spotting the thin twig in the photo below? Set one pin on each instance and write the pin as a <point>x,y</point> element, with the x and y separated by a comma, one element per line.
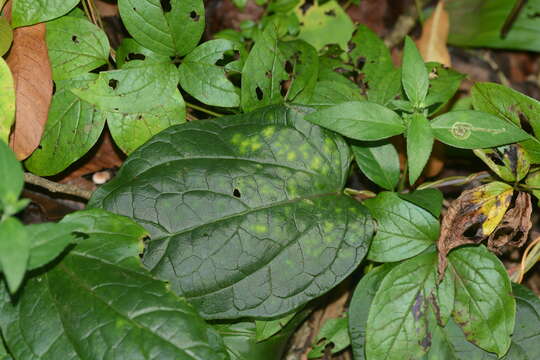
<point>57,187</point>
<point>455,180</point>
<point>404,24</point>
<point>204,110</point>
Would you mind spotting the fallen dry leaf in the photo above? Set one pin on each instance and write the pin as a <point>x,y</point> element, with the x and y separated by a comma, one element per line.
<point>29,63</point>
<point>432,42</point>
<point>472,217</point>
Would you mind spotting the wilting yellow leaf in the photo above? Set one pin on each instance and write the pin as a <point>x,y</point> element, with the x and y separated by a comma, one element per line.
<point>432,43</point>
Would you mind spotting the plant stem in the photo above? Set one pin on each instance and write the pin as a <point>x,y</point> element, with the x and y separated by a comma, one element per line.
<point>363,193</point>
<point>455,180</point>
<point>403,179</point>
<point>204,110</point>
<point>57,187</point>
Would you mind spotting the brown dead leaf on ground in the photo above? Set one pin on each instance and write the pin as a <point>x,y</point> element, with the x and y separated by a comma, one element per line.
<point>514,227</point>
<point>432,42</point>
<point>29,63</point>
<point>478,213</point>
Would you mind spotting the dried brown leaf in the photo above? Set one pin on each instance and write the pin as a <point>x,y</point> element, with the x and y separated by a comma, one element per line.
<point>29,63</point>
<point>514,228</point>
<point>472,217</point>
<point>432,42</point>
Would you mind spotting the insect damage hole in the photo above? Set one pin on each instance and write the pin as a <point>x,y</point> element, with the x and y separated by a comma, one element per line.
<point>165,5</point>
<point>259,93</point>
<point>75,39</point>
<point>236,193</point>
<point>113,84</point>
<point>194,16</point>
<point>134,56</point>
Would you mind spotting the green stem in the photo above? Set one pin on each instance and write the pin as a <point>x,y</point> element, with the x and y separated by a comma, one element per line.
<point>455,180</point>
<point>204,110</point>
<point>354,192</point>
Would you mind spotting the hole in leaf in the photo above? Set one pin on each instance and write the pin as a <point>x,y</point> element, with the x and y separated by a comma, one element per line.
<point>236,193</point>
<point>113,83</point>
<point>360,62</point>
<point>496,158</point>
<point>289,67</point>
<point>306,6</point>
<point>474,231</point>
<point>139,117</point>
<point>194,16</point>
<point>524,122</point>
<point>284,87</point>
<point>268,74</point>
<point>40,147</point>
<point>165,5</point>
<point>134,56</point>
<point>259,93</point>
<point>75,39</point>
<point>54,88</point>
<point>330,13</point>
<point>351,45</point>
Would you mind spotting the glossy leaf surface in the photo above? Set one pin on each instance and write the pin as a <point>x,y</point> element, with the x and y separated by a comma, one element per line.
<point>379,161</point>
<point>245,212</point>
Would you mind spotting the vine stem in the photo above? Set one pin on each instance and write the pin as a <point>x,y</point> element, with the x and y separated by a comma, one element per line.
<point>455,180</point>
<point>57,187</point>
<point>204,110</point>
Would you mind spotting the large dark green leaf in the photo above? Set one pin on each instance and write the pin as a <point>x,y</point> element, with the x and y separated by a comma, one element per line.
<point>359,120</point>
<point>167,27</point>
<point>100,303</point>
<point>73,127</point>
<point>360,304</point>
<point>404,229</point>
<point>245,212</point>
<point>469,129</point>
<point>75,47</point>
<point>484,306</point>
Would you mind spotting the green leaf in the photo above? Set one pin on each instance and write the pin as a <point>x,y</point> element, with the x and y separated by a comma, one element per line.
<point>75,46</point>
<point>404,229</point>
<point>325,24</point>
<point>484,306</point>
<point>47,241</point>
<point>169,30</point>
<point>398,325</point>
<point>72,128</point>
<point>361,303</point>
<point>130,50</point>
<point>329,93</point>
<point>428,199</point>
<point>204,80</point>
<point>526,333</point>
<point>304,61</point>
<point>100,302</point>
<point>14,251</point>
<point>509,162</point>
<point>419,145</point>
<point>263,72</point>
<point>469,129</point>
<point>266,329</point>
<point>7,101</point>
<point>379,161</point>
<point>443,84</point>
<point>359,120</point>
<point>139,101</point>
<point>372,58</point>
<point>263,189</point>
<point>11,180</point>
<point>333,332</point>
<point>414,75</point>
<point>479,23</point>
<point>6,35</point>
<point>29,12</point>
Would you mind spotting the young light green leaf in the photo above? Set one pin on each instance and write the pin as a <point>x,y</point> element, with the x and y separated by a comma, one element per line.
<point>484,306</point>
<point>379,161</point>
<point>14,251</point>
<point>361,303</point>
<point>404,229</point>
<point>428,199</point>
<point>7,101</point>
<point>167,27</point>
<point>139,101</point>
<point>204,80</point>
<point>72,128</point>
<point>414,75</point>
<point>398,325</point>
<point>6,35</point>
<point>333,332</point>
<point>419,145</point>
<point>372,58</point>
<point>316,21</point>
<point>443,84</point>
<point>99,302</point>
<point>11,180</point>
<point>469,129</point>
<point>272,202</point>
<point>263,72</point>
<point>29,12</point>
<point>359,120</point>
<point>75,46</point>
<point>48,240</point>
